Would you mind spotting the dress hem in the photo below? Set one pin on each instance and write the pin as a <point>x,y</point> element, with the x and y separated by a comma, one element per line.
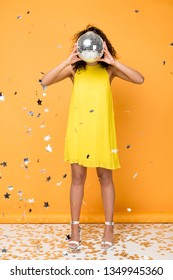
<point>92,165</point>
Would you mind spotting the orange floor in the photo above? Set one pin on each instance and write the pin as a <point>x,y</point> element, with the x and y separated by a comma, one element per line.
<point>49,241</point>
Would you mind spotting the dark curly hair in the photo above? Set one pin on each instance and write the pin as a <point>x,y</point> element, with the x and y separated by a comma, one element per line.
<point>82,64</point>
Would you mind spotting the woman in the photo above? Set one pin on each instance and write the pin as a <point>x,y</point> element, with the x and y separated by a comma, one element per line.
<point>91,137</point>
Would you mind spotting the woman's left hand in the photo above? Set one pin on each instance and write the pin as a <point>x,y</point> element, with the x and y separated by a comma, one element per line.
<point>108,58</point>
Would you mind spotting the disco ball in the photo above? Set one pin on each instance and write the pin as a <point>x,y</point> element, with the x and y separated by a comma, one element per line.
<point>90,46</point>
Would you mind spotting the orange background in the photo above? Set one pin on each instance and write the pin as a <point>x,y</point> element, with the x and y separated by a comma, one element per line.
<point>35,37</point>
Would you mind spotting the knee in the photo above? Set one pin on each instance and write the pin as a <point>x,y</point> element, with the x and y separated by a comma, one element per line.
<point>105,178</point>
<point>78,179</point>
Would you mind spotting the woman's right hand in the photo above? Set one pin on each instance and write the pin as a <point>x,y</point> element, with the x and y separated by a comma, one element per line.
<point>73,56</point>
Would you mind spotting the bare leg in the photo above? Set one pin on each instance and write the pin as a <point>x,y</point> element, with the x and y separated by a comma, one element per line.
<point>108,197</point>
<point>76,195</point>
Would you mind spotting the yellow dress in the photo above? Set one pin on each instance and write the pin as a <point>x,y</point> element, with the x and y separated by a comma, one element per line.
<point>91,137</point>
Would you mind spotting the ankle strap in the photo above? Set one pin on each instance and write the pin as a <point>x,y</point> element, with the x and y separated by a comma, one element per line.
<point>109,223</point>
<point>74,222</point>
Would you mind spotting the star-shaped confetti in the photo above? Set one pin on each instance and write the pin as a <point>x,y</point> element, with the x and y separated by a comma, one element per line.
<point>39,101</point>
<point>4,163</point>
<point>47,138</point>
<point>46,204</point>
<point>10,188</point>
<point>31,200</point>
<point>4,250</point>
<point>7,195</point>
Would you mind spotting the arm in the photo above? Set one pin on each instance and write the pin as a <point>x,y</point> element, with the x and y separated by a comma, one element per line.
<point>124,72</point>
<point>120,70</point>
<point>61,71</point>
<point>57,74</point>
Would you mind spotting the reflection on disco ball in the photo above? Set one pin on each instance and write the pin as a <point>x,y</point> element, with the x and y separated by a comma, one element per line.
<point>90,46</point>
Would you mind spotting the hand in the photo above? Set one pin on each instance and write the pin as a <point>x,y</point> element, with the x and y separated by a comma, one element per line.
<point>108,58</point>
<point>73,56</point>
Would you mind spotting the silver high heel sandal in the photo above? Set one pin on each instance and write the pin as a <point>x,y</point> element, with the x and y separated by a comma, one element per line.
<point>73,244</point>
<point>104,242</point>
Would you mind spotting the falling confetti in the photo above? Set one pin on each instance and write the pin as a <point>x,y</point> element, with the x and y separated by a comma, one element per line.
<point>31,200</point>
<point>68,237</point>
<point>91,111</point>
<point>49,148</point>
<point>164,62</point>
<point>171,44</point>
<point>114,151</point>
<point>46,204</point>
<point>43,170</point>
<point>128,146</point>
<point>136,174</point>
<point>46,110</point>
<point>4,250</point>
<point>47,138</point>
<point>19,17</point>
<point>29,130</point>
<point>20,193</point>
<point>65,253</point>
<point>30,113</point>
<point>42,125</point>
<point>129,209</point>
<point>59,184</point>
<point>39,101</point>
<point>10,188</point>
<point>65,175</point>
<point>88,156</point>
<point>2,98</point>
<point>7,195</point>
<point>48,178</point>
<point>136,11</point>
<point>4,163</point>
<point>26,160</point>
